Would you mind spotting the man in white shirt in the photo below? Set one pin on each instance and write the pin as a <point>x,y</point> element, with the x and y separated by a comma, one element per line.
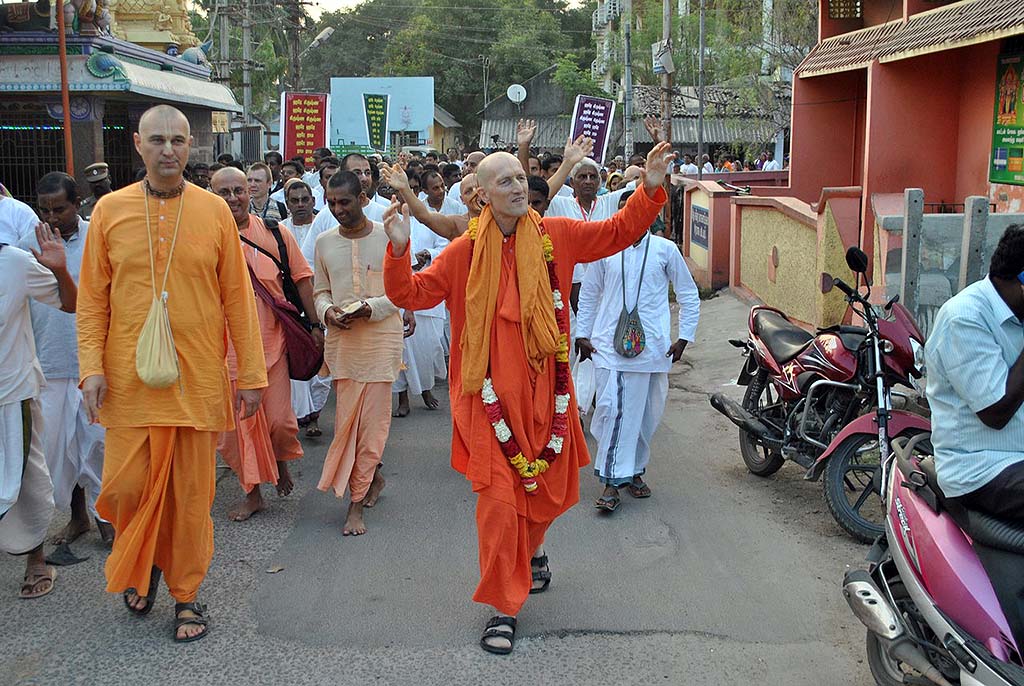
<point>707,167</point>
<point>289,170</point>
<point>17,220</point>
<point>260,180</point>
<point>771,164</point>
<point>688,167</point>
<point>632,375</point>
<point>312,177</point>
<point>26,493</point>
<point>360,166</point>
<point>72,446</point>
<point>308,397</point>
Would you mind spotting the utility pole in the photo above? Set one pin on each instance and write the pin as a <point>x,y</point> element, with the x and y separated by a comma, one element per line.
<point>247,59</point>
<point>666,78</point>
<point>767,15</point>
<point>627,22</point>
<point>295,18</point>
<point>700,94</point>
<point>224,66</point>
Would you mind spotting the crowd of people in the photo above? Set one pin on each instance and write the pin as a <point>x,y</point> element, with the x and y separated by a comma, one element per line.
<point>212,309</point>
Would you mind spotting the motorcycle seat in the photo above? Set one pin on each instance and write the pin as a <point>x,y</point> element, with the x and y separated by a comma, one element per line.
<point>783,338</point>
<point>983,528</point>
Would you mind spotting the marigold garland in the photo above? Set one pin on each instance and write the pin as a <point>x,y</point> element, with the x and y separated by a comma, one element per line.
<point>529,471</point>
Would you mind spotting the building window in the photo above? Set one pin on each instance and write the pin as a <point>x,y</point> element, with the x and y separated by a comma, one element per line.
<point>844,9</point>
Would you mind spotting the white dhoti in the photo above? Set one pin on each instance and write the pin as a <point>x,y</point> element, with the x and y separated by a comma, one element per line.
<point>73,447</point>
<point>423,356</point>
<point>309,397</point>
<point>629,409</point>
<point>26,494</point>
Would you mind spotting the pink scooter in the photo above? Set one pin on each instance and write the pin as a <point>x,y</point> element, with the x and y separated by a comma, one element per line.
<point>943,595</point>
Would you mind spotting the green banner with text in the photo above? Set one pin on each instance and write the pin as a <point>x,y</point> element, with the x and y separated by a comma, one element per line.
<point>1007,162</point>
<point>376,109</point>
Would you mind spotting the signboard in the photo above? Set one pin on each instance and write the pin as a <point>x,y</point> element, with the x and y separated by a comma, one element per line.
<point>1007,162</point>
<point>304,124</point>
<point>375,111</point>
<point>699,221</point>
<point>592,117</point>
<point>656,49</point>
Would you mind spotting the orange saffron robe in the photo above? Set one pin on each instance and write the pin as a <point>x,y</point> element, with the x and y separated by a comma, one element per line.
<point>510,523</point>
<point>158,474</point>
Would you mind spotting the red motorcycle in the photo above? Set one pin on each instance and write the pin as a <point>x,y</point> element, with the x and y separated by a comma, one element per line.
<point>808,399</point>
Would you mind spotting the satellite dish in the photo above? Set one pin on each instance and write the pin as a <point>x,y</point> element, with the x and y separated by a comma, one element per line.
<point>516,93</point>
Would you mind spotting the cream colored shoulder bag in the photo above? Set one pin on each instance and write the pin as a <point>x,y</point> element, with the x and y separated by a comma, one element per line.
<point>156,359</point>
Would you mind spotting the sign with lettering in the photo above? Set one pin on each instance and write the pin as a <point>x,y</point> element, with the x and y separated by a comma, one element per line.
<point>592,117</point>
<point>375,108</point>
<point>1007,162</point>
<point>304,124</point>
<point>699,221</point>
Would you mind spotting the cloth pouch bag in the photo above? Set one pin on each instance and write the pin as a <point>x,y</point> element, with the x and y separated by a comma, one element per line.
<point>156,358</point>
<point>629,338</point>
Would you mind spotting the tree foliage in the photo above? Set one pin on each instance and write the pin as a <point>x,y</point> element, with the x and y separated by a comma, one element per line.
<point>575,81</point>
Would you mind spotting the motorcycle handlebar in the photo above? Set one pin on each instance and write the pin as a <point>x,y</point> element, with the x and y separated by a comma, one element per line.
<point>841,285</point>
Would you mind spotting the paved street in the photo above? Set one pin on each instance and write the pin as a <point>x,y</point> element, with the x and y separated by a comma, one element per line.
<point>719,578</point>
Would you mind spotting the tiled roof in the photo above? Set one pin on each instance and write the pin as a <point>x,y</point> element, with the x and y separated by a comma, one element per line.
<point>953,26</point>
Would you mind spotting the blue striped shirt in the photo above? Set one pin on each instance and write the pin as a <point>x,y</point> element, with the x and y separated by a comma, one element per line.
<point>974,342</point>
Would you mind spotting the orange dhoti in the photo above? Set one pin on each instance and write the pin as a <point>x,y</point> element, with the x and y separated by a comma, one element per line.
<point>361,426</point>
<point>258,443</point>
<point>158,488</point>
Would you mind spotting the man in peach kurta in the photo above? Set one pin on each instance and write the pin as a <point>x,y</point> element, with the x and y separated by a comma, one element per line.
<point>259,449</point>
<point>364,345</point>
<point>158,472</point>
<point>519,359</point>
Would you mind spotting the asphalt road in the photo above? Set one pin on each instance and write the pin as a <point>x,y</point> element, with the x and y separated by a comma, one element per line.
<point>719,578</point>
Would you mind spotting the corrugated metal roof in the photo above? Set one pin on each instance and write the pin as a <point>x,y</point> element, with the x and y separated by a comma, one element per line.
<point>953,26</point>
<point>445,118</point>
<point>551,131</point>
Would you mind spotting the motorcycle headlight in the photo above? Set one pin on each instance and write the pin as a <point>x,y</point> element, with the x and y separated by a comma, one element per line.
<point>919,364</point>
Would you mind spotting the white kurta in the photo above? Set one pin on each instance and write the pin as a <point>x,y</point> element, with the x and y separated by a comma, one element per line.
<point>26,495</point>
<point>631,392</point>
<point>423,352</point>
<point>17,220</point>
<point>73,447</point>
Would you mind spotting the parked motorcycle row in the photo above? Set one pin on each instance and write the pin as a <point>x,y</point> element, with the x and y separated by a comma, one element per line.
<point>942,594</point>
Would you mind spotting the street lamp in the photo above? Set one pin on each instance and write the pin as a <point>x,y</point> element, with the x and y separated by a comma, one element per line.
<point>320,39</point>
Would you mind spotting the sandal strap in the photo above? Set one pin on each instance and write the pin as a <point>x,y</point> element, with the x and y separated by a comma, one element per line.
<point>542,575</point>
<point>499,620</point>
<point>541,561</point>
<point>197,609</point>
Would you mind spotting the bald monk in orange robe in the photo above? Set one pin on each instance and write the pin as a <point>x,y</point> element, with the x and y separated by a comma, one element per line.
<point>260,448</point>
<point>158,473</point>
<point>516,351</point>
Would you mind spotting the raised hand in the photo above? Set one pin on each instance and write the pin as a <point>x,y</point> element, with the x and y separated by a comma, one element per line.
<point>658,161</point>
<point>395,177</point>
<point>51,248</point>
<point>653,126</point>
<point>526,129</point>
<point>397,227</point>
<point>577,150</point>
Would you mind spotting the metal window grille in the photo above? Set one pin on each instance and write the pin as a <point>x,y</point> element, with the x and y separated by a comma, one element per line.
<point>31,144</point>
<point>118,149</point>
<point>252,137</point>
<point>844,9</point>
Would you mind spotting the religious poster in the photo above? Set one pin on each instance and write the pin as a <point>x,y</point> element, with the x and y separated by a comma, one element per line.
<point>1007,162</point>
<point>592,117</point>
<point>375,110</point>
<point>304,124</point>
<point>699,222</point>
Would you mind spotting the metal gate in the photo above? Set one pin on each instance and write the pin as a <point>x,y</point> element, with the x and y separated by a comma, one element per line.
<point>31,145</point>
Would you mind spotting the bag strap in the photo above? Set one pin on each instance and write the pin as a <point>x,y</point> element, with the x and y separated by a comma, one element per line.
<point>643,267</point>
<point>291,291</point>
<point>174,241</point>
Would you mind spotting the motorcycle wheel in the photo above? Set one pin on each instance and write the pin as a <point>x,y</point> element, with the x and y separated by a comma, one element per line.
<point>850,490</point>
<point>885,670</point>
<point>760,461</point>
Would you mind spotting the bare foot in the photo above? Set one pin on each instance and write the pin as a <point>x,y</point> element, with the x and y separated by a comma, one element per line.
<point>70,533</point>
<point>284,479</point>
<point>189,629</point>
<point>429,400</point>
<point>376,486</point>
<point>252,504</point>
<point>106,530</point>
<point>354,525</point>
<point>403,405</point>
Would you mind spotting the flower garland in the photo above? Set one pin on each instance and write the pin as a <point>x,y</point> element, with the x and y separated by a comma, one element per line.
<point>529,471</point>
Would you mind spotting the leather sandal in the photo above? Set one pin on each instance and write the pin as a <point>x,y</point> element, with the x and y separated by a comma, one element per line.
<point>497,627</point>
<point>154,583</point>
<point>541,572</point>
<point>197,609</point>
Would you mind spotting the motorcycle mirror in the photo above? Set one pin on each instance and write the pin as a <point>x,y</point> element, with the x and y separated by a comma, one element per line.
<point>857,260</point>
<point>827,282</point>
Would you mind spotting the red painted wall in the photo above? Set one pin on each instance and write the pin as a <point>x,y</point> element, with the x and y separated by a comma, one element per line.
<point>977,103</point>
<point>827,139</point>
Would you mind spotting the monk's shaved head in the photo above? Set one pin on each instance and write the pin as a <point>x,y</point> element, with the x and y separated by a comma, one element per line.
<point>161,116</point>
<point>490,166</point>
<point>226,175</point>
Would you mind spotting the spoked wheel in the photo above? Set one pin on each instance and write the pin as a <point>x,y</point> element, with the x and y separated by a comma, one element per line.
<point>852,488</point>
<point>760,460</point>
